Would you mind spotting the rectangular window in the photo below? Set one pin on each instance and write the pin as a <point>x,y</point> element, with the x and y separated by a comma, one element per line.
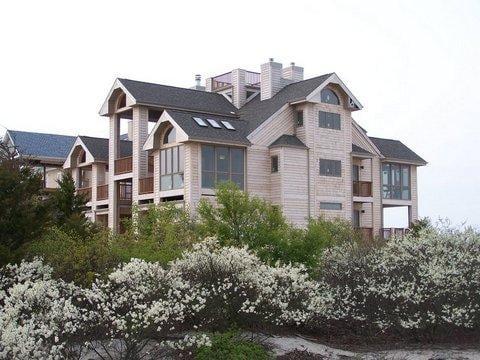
<point>396,181</point>
<point>171,168</point>
<point>330,167</point>
<point>274,163</point>
<point>330,206</point>
<point>329,120</point>
<point>300,118</point>
<point>221,163</point>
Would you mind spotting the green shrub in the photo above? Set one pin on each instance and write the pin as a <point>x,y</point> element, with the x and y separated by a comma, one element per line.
<point>160,233</point>
<point>74,257</point>
<point>229,346</point>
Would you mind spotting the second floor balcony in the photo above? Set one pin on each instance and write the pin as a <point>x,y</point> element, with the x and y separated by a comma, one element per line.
<point>123,165</point>
<point>362,188</point>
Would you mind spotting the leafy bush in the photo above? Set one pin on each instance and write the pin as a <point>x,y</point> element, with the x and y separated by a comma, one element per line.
<point>230,346</point>
<point>73,257</point>
<point>418,286</point>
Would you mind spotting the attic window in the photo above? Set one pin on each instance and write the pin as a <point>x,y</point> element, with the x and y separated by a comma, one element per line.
<point>214,123</point>
<point>228,125</point>
<point>200,121</point>
<point>170,136</point>
<point>122,101</point>
<point>329,97</point>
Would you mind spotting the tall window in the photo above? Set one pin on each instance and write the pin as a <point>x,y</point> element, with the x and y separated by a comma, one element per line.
<point>170,136</point>
<point>274,164</point>
<point>300,118</point>
<point>221,163</point>
<point>172,162</point>
<point>329,120</point>
<point>330,167</point>
<point>396,181</point>
<point>329,97</point>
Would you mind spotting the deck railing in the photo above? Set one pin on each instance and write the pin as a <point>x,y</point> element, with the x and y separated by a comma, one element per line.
<point>145,185</point>
<point>387,233</point>
<point>123,165</point>
<point>86,192</point>
<point>102,192</point>
<point>150,165</point>
<point>362,188</point>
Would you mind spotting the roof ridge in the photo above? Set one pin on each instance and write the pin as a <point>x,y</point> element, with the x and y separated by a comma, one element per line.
<point>376,137</point>
<point>38,133</point>
<point>171,86</point>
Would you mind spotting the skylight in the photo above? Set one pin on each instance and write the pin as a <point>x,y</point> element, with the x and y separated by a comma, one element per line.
<point>200,121</point>
<point>228,125</point>
<point>214,123</point>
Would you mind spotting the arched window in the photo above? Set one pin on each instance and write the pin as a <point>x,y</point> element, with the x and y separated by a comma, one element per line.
<point>170,136</point>
<point>329,97</point>
<point>122,101</point>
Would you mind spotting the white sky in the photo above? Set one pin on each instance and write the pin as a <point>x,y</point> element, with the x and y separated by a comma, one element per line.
<point>414,65</point>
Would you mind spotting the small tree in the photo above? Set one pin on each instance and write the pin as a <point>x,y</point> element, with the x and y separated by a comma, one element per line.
<point>68,206</point>
<point>23,212</point>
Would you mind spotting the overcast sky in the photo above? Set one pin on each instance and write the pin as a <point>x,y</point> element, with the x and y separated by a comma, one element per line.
<point>414,65</point>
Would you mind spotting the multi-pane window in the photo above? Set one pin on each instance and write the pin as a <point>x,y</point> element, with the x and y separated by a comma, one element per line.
<point>396,181</point>
<point>330,167</point>
<point>329,120</point>
<point>329,97</point>
<point>299,118</point>
<point>274,163</point>
<point>330,206</point>
<point>172,162</point>
<point>221,163</point>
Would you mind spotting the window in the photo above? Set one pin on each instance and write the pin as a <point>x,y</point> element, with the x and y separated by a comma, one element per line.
<point>329,97</point>
<point>300,118</point>
<point>200,121</point>
<point>396,181</point>
<point>329,120</point>
<point>274,163</point>
<point>330,167</point>
<point>170,136</point>
<point>228,125</point>
<point>214,123</point>
<point>172,162</point>
<point>355,173</point>
<point>330,206</point>
<point>221,163</point>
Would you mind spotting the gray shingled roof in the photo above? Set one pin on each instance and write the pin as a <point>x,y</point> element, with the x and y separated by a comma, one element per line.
<point>255,112</point>
<point>179,98</point>
<point>39,145</point>
<point>195,132</point>
<point>394,149</point>
<point>98,147</point>
<point>288,140</point>
<point>359,150</point>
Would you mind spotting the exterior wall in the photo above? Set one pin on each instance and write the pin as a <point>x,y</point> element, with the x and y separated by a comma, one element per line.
<point>52,175</point>
<point>414,194</point>
<point>139,156</point>
<point>113,145</point>
<point>276,179</point>
<point>192,175</point>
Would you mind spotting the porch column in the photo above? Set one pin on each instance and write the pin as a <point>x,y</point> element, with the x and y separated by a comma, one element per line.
<point>113,147</point>
<point>139,156</point>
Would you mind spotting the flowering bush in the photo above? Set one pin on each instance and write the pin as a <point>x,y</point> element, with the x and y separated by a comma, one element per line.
<point>422,285</point>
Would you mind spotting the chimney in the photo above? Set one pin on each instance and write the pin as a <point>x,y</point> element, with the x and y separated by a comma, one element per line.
<point>293,73</point>
<point>239,92</point>
<point>270,79</point>
<point>198,85</point>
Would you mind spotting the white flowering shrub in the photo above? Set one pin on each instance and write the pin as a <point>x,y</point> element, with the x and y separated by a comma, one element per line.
<point>40,318</point>
<point>425,285</point>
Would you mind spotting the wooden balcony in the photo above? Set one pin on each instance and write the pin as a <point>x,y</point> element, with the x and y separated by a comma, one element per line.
<point>150,165</point>
<point>123,165</point>
<point>387,233</point>
<point>362,188</point>
<point>102,192</point>
<point>86,192</point>
<point>145,185</point>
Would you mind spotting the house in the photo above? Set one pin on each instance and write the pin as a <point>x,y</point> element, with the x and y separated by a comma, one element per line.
<point>46,152</point>
<point>288,140</point>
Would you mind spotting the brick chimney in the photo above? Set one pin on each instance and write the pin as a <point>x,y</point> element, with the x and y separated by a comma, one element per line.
<point>293,73</point>
<point>270,79</point>
<point>239,91</point>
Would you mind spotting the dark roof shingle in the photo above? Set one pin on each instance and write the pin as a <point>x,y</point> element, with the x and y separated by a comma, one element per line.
<point>288,140</point>
<point>39,145</point>
<point>359,150</point>
<point>208,133</point>
<point>255,112</point>
<point>98,147</point>
<point>179,98</point>
<point>395,149</point>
